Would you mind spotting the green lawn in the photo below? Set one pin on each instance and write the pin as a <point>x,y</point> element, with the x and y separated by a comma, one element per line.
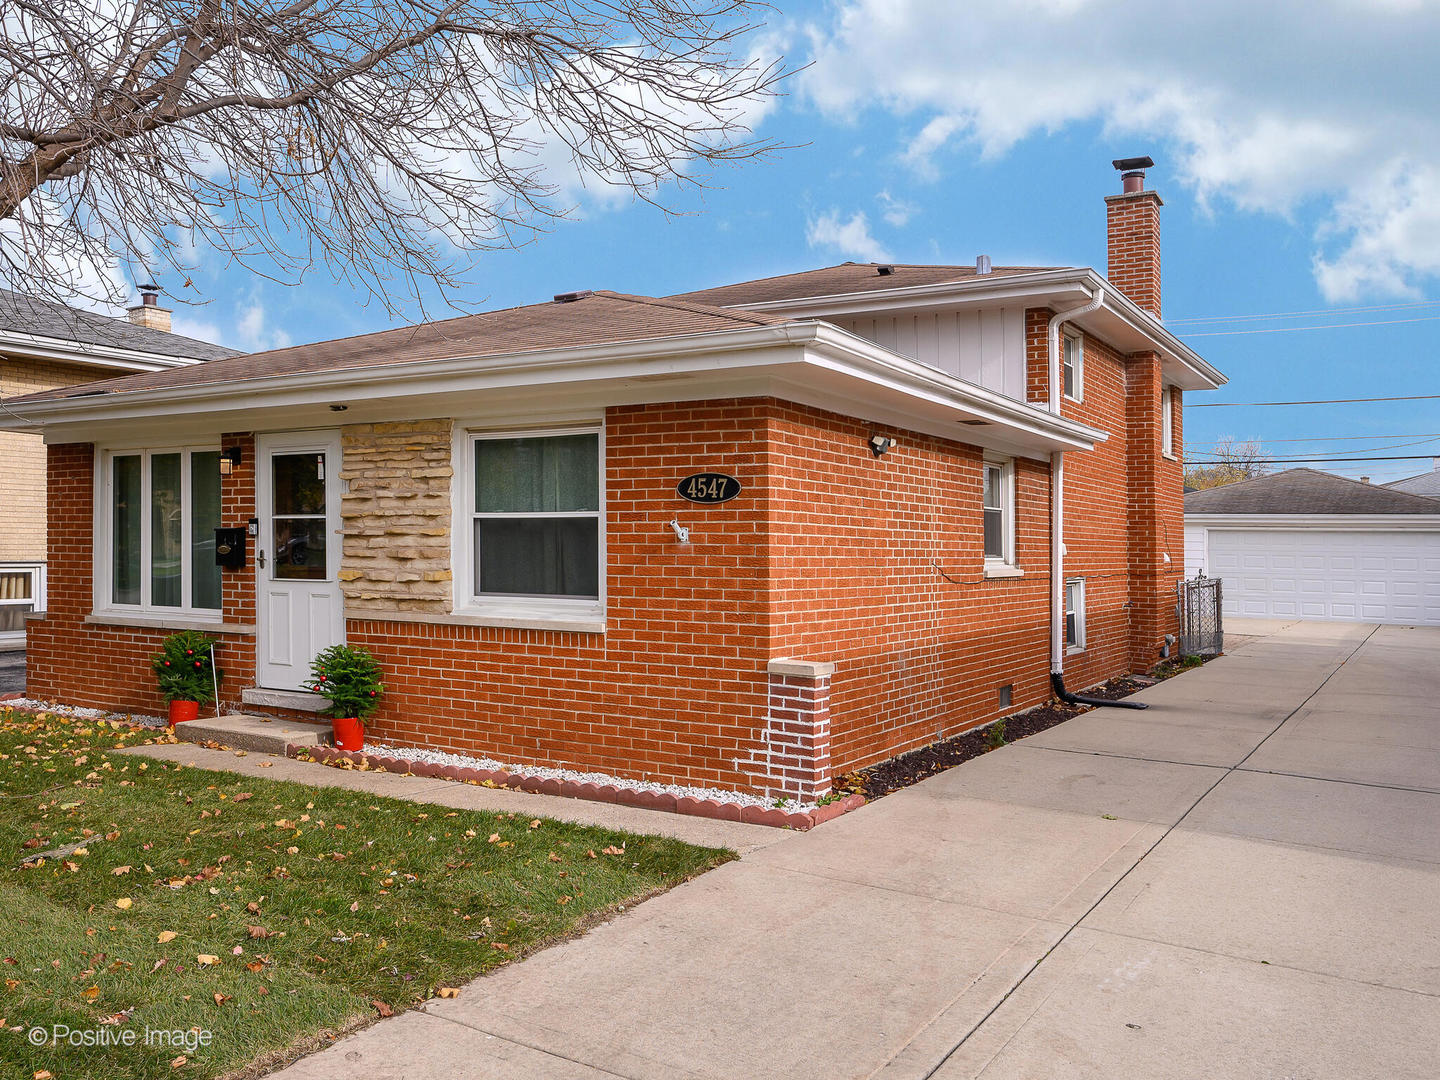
<point>267,913</point>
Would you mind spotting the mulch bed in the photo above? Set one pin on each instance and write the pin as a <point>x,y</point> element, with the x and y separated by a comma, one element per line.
<point>880,780</point>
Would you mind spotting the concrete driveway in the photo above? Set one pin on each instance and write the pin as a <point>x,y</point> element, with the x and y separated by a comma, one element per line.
<point>1243,881</point>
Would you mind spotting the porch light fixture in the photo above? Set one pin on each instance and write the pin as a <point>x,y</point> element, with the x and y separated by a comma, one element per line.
<point>228,460</point>
<point>880,444</point>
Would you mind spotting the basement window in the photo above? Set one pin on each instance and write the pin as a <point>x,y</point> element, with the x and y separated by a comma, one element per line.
<point>535,537</point>
<point>155,531</point>
<point>1075,615</point>
<point>1072,367</point>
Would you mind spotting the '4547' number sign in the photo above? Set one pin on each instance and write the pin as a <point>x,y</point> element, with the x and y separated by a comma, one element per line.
<point>708,487</point>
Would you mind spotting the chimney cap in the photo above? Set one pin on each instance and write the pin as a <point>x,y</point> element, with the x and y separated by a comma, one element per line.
<point>1129,164</point>
<point>149,294</point>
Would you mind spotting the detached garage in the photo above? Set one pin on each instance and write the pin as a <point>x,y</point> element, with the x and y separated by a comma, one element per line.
<point>1310,545</point>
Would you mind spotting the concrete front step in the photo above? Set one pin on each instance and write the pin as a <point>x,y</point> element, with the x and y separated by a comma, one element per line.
<point>256,733</point>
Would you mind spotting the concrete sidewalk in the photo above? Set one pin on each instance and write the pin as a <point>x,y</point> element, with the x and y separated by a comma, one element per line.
<point>1239,882</point>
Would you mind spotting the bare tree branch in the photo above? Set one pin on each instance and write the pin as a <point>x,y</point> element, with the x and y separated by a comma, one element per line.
<point>392,140</point>
<point>1231,460</point>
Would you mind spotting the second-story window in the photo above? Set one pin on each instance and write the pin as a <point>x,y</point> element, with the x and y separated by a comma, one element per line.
<point>1072,367</point>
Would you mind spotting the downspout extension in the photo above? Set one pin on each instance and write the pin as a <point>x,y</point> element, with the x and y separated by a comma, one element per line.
<point>1057,683</point>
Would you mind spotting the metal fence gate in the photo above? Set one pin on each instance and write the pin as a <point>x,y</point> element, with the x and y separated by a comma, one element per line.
<point>1202,632</point>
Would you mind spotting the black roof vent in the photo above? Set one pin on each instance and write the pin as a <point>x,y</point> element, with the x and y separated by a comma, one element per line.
<point>884,270</point>
<point>571,297</point>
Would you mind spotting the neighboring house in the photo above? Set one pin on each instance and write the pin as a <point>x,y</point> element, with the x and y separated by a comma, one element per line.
<point>1311,545</point>
<point>44,346</point>
<point>1427,483</point>
<point>753,537</point>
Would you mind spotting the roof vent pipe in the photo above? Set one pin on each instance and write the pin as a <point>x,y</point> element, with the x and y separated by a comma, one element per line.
<point>982,264</point>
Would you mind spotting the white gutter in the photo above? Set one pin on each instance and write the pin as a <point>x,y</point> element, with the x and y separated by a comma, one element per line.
<point>36,347</point>
<point>1057,491</point>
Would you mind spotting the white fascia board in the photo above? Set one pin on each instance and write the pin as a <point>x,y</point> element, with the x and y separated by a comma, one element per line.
<point>763,351</point>
<point>35,347</point>
<point>1043,288</point>
<point>1321,522</point>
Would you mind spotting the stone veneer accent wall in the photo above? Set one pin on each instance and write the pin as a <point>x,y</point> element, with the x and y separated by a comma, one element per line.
<point>396,514</point>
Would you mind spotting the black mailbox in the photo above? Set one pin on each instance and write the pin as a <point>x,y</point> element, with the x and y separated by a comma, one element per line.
<point>230,548</point>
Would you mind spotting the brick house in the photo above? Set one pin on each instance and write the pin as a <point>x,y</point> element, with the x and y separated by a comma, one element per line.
<point>47,346</point>
<point>751,538</point>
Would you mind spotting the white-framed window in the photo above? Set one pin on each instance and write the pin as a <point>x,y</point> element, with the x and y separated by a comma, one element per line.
<point>533,541</point>
<point>998,503</point>
<point>22,590</point>
<point>1072,367</point>
<point>156,513</point>
<point>1075,614</point>
<point>1167,421</point>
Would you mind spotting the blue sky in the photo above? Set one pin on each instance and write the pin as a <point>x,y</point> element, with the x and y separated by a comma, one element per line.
<point>1297,150</point>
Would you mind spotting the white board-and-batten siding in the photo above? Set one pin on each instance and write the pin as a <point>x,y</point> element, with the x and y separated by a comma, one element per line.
<point>986,347</point>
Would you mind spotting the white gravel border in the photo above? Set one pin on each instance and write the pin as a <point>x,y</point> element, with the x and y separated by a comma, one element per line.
<point>75,712</point>
<point>440,757</point>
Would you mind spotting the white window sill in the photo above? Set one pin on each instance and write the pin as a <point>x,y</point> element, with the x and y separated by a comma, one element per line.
<point>1168,455</point>
<point>578,620</point>
<point>1071,650</point>
<point>1074,400</point>
<point>178,621</point>
<point>1003,570</point>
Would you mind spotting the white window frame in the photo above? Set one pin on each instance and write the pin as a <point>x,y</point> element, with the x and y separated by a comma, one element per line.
<point>1077,380</point>
<point>1077,609</point>
<point>103,601</point>
<point>1167,421</point>
<point>1002,565</point>
<point>539,612</point>
<point>36,600</point>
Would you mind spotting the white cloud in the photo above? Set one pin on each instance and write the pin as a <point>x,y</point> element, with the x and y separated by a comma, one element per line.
<point>199,329</point>
<point>896,212</point>
<point>254,333</point>
<point>849,237</point>
<point>1267,107</point>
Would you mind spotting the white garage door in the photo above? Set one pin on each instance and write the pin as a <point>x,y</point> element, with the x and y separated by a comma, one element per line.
<point>1390,577</point>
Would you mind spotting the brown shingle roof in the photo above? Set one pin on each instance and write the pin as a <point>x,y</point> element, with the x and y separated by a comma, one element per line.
<point>1305,491</point>
<point>850,277</point>
<point>594,319</point>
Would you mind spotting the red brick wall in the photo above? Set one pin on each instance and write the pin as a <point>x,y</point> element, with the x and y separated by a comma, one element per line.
<point>108,667</point>
<point>829,555</point>
<point>1133,235</point>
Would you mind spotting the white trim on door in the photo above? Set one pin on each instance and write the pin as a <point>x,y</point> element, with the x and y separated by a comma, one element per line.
<point>296,618</point>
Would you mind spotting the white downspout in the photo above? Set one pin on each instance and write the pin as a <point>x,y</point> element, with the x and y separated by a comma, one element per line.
<point>1057,491</point>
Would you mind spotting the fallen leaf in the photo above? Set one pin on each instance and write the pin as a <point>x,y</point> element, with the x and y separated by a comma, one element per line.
<point>564,900</point>
<point>554,857</point>
<point>90,993</point>
<point>207,960</point>
<point>266,764</point>
<point>44,1074</point>
<point>157,965</point>
<point>237,951</point>
<point>166,935</point>
<point>262,990</point>
<point>220,999</point>
<point>355,906</point>
<point>120,870</point>
<point>448,992</point>
<point>613,850</point>
<point>494,838</point>
<point>259,932</point>
<point>124,903</point>
<point>535,824</point>
<point>254,966</point>
<point>179,1062</point>
<point>382,1008</point>
<point>242,796</point>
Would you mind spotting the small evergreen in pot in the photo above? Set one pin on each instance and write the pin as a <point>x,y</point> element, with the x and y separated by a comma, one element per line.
<point>350,677</point>
<point>186,673</point>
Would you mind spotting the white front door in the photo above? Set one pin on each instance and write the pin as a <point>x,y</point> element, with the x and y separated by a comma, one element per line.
<point>297,554</point>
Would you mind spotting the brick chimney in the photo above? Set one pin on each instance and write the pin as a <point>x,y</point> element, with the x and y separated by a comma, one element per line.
<point>1132,234</point>
<point>148,312</point>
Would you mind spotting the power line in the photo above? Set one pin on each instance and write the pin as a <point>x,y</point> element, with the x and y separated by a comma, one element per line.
<point>1284,460</point>
<point>1338,438</point>
<point>1301,314</point>
<point>1297,329</point>
<point>1329,401</point>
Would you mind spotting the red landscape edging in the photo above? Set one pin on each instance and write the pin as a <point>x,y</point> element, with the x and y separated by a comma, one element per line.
<point>774,817</point>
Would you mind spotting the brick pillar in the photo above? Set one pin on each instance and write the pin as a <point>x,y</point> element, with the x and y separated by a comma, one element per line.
<point>236,656</point>
<point>1156,514</point>
<point>1132,234</point>
<point>792,760</point>
<point>49,638</point>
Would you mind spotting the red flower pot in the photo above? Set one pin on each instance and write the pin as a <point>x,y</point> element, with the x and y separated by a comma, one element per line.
<point>349,732</point>
<point>180,711</point>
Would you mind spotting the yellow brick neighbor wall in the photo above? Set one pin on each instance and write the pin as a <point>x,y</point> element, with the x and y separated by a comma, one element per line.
<point>22,458</point>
